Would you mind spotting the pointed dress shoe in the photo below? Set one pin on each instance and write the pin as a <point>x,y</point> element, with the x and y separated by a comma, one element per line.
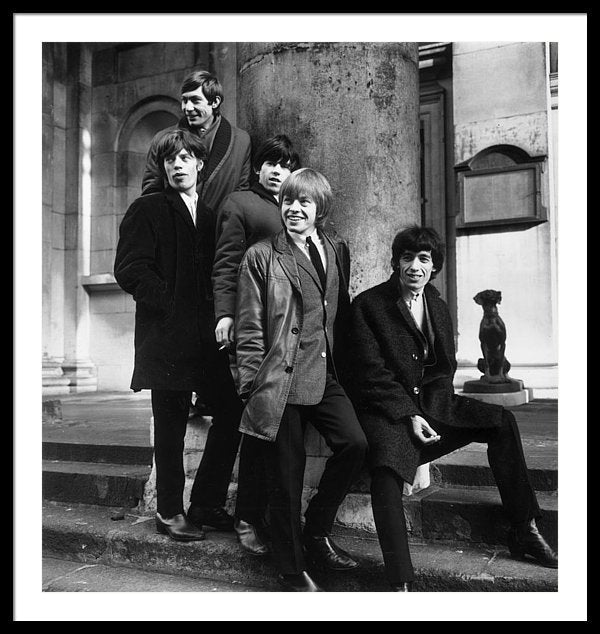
<point>216,517</point>
<point>525,540</point>
<point>325,553</point>
<point>249,539</point>
<point>298,583</point>
<point>178,528</point>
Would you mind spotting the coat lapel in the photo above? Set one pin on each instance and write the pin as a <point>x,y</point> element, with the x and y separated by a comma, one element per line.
<point>180,208</point>
<point>306,264</point>
<point>286,259</point>
<point>405,313</point>
<point>221,148</point>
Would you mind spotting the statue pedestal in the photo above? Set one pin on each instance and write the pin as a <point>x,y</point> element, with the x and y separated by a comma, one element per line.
<point>509,394</point>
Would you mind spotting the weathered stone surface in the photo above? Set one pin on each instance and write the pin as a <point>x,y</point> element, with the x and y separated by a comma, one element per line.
<point>345,100</point>
<point>51,411</point>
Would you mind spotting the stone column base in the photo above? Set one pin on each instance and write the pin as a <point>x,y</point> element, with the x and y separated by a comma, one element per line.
<point>81,376</point>
<point>53,380</point>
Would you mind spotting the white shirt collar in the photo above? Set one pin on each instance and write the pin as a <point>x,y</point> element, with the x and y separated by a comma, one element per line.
<point>191,202</point>
<point>300,240</point>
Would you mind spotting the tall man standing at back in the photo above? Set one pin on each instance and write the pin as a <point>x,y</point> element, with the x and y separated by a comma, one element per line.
<point>228,165</point>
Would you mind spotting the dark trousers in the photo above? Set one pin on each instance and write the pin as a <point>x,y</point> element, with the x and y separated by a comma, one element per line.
<point>285,461</point>
<point>170,409</point>
<point>507,462</point>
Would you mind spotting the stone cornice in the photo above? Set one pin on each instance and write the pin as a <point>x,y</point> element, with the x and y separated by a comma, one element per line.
<point>434,54</point>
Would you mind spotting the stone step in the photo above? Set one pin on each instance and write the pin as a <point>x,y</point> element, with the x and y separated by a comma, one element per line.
<point>462,514</point>
<point>94,483</point>
<point>471,514</point>
<point>90,452</point>
<point>469,466</point>
<point>87,534</point>
<point>464,467</point>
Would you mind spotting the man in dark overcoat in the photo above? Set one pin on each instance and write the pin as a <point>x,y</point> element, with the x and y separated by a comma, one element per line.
<point>403,358</point>
<point>228,162</point>
<point>164,259</point>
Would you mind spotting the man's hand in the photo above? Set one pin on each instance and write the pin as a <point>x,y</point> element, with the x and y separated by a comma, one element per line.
<point>224,332</point>
<point>423,431</point>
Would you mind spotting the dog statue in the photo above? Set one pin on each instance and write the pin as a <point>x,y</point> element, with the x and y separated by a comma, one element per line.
<point>492,335</point>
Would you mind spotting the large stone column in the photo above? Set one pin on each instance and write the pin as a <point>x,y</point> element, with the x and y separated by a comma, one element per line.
<point>352,109</point>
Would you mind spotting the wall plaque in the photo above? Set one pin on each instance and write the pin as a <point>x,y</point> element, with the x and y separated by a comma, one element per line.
<point>500,185</point>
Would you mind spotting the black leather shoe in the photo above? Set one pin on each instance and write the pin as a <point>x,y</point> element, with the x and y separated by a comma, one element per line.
<point>324,552</point>
<point>298,583</point>
<point>249,539</point>
<point>215,517</point>
<point>524,539</point>
<point>178,528</point>
<point>402,587</point>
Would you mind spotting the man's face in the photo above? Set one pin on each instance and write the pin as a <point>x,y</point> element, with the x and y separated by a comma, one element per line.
<point>415,269</point>
<point>272,176</point>
<point>182,171</point>
<point>197,110</point>
<point>299,214</point>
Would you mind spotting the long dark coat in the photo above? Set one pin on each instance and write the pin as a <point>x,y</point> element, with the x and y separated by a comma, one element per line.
<point>390,381</point>
<point>165,263</point>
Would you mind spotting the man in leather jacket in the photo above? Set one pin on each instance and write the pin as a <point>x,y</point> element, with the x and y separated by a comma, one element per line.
<point>292,295</point>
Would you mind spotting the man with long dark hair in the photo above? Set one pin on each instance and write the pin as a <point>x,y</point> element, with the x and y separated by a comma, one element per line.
<point>164,260</point>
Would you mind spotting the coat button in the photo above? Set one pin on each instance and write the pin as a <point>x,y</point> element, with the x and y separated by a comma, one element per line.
<point>295,330</point>
<point>323,354</point>
<point>289,369</point>
<point>416,390</point>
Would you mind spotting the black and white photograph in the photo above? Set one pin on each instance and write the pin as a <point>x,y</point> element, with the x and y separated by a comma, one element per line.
<point>311,303</point>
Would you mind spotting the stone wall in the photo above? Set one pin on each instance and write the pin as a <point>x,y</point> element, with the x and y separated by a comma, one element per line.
<point>500,97</point>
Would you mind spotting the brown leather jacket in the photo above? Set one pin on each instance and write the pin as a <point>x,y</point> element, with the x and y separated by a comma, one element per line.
<point>268,323</point>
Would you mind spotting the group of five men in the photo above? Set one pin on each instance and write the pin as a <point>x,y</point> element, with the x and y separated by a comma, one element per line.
<point>242,298</point>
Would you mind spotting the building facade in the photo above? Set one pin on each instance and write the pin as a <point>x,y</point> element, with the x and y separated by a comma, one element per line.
<point>458,136</point>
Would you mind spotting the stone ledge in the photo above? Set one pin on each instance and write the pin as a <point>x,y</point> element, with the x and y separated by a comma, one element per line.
<point>87,534</point>
<point>99,282</point>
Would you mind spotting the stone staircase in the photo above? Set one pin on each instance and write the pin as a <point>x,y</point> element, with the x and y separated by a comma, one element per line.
<point>98,498</point>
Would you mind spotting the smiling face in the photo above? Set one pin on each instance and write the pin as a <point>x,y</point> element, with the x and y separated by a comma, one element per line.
<point>299,214</point>
<point>272,176</point>
<point>198,112</point>
<point>415,269</point>
<point>182,171</point>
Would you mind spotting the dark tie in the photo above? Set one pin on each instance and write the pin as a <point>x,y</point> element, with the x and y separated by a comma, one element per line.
<point>315,258</point>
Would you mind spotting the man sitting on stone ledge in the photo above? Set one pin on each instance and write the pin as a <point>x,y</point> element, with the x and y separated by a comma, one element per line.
<point>164,259</point>
<point>403,357</point>
<point>292,296</point>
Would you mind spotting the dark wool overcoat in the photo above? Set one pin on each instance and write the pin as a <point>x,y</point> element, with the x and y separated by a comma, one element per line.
<point>390,381</point>
<point>165,262</point>
<point>244,218</point>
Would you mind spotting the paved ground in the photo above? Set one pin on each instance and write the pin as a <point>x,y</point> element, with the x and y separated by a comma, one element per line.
<point>124,418</point>
<point>59,575</point>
